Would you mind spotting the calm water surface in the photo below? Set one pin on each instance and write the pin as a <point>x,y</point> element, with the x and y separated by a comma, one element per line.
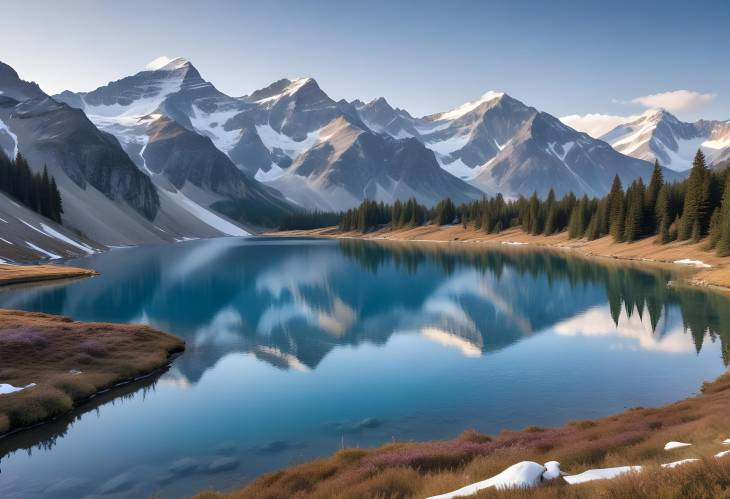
<point>297,347</point>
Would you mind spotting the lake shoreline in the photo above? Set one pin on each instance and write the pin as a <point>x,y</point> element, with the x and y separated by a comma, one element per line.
<point>645,251</point>
<point>98,357</point>
<point>635,437</point>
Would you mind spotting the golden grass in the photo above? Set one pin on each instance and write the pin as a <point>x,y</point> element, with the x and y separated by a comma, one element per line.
<point>18,274</point>
<point>634,437</point>
<point>70,362</point>
<point>643,250</point>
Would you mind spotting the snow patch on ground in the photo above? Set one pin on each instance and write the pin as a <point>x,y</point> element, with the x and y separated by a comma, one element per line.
<point>675,445</point>
<point>513,243</point>
<point>211,125</point>
<point>600,474</point>
<point>57,235</point>
<point>521,475</point>
<point>679,463</point>
<point>6,388</point>
<point>207,216</point>
<point>722,454</point>
<point>693,263</point>
<point>50,255</point>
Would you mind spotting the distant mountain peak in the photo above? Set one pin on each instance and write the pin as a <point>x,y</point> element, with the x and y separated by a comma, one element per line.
<point>468,107</point>
<point>164,63</point>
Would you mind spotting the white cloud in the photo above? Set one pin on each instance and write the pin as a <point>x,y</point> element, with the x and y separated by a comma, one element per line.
<point>677,101</point>
<point>595,124</point>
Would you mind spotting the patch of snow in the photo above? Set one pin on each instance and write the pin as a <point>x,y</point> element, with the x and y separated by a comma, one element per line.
<point>552,470</point>
<point>692,263</point>
<point>274,172</point>
<point>3,220</point>
<point>450,145</point>
<point>5,240</point>
<point>292,148</point>
<point>50,255</point>
<point>6,388</point>
<point>722,454</point>
<point>290,89</point>
<point>726,441</point>
<point>212,125</point>
<point>207,216</point>
<point>163,61</point>
<point>153,96</point>
<point>521,475</point>
<point>460,169</point>
<point>469,106</point>
<point>675,445</point>
<point>4,128</point>
<point>75,372</point>
<point>57,235</point>
<point>513,243</point>
<point>679,463</point>
<point>600,474</point>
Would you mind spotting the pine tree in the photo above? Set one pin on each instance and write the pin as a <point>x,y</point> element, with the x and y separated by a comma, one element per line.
<point>634,224</point>
<point>723,244</point>
<point>616,210</point>
<point>652,194</point>
<point>715,228</point>
<point>551,218</point>
<point>695,200</point>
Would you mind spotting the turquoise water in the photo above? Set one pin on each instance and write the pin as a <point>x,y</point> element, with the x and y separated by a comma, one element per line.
<point>298,347</point>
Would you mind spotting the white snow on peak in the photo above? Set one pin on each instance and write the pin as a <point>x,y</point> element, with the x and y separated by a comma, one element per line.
<point>469,106</point>
<point>290,89</point>
<point>164,62</point>
<point>272,174</point>
<point>273,139</point>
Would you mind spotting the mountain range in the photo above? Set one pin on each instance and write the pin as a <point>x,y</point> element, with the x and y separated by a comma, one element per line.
<point>659,135</point>
<point>163,155</point>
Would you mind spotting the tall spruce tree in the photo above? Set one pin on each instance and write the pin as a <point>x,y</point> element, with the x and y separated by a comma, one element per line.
<point>652,194</point>
<point>551,217</point>
<point>723,243</point>
<point>616,210</point>
<point>694,213</point>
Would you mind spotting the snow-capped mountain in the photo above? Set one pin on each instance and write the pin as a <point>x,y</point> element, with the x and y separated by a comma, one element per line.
<point>290,135</point>
<point>499,144</point>
<point>154,114</point>
<point>658,134</point>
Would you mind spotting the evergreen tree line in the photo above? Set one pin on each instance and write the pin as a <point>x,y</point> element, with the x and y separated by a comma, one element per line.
<point>694,209</point>
<point>305,220</point>
<point>38,192</point>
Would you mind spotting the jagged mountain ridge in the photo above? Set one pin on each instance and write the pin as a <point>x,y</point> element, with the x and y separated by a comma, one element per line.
<point>658,134</point>
<point>499,144</point>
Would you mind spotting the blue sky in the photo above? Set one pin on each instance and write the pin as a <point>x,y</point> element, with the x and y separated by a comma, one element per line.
<point>563,57</point>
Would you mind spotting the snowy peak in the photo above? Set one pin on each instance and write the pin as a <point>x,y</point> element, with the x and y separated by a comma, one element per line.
<point>468,107</point>
<point>164,63</point>
<point>283,88</point>
<point>659,135</point>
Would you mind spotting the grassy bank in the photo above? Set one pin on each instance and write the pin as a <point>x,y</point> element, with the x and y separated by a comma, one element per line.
<point>66,362</point>
<point>634,437</point>
<point>717,275</point>
<point>22,274</point>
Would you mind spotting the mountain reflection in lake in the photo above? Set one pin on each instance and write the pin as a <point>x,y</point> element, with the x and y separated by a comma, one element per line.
<point>297,346</point>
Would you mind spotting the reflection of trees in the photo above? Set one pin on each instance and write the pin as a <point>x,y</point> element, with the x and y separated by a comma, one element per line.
<point>45,436</point>
<point>641,291</point>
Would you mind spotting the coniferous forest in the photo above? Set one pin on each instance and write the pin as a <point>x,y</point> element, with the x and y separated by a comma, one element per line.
<point>35,191</point>
<point>694,209</point>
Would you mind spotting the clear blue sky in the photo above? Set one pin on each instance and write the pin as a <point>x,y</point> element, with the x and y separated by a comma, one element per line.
<point>563,57</point>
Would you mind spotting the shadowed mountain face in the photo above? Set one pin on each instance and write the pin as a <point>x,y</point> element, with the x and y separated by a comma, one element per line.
<point>296,346</point>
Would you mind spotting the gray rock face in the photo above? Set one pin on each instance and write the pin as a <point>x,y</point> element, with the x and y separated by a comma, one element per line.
<point>658,134</point>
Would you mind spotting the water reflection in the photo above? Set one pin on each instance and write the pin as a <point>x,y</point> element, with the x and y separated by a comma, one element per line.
<point>296,346</point>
